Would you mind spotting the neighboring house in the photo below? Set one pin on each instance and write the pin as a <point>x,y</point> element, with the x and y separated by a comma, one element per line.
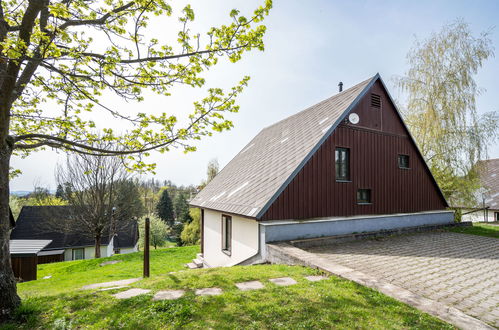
<point>69,242</point>
<point>488,208</point>
<point>347,164</point>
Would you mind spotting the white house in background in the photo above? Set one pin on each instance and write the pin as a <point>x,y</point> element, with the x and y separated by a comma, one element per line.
<point>347,164</point>
<point>68,242</point>
<point>489,175</point>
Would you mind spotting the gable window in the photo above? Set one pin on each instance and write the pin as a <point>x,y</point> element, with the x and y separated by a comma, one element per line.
<point>226,234</point>
<point>78,254</point>
<point>375,101</point>
<point>342,160</point>
<point>403,161</point>
<point>364,196</point>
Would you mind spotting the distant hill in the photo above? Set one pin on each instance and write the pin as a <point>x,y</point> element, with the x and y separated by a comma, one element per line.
<point>20,193</point>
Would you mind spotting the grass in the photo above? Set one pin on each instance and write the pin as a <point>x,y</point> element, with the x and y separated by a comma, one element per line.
<point>480,229</point>
<point>71,275</point>
<point>332,303</point>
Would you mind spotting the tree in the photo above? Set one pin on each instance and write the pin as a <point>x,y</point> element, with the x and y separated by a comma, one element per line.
<point>164,208</point>
<point>158,231</point>
<point>212,171</point>
<point>181,208</point>
<point>59,193</point>
<point>94,184</point>
<point>128,203</point>
<point>191,234</point>
<point>441,107</point>
<point>61,60</point>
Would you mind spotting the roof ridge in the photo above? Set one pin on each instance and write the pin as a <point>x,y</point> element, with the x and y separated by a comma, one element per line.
<point>320,103</point>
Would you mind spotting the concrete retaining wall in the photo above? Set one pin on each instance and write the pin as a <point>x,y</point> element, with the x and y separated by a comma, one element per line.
<point>276,231</point>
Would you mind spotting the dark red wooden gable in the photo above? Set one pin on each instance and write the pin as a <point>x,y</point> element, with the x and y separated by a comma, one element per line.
<point>374,144</point>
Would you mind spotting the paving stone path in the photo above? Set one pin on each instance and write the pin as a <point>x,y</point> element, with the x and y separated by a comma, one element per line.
<point>457,270</point>
<point>251,285</point>
<point>176,294</point>
<point>283,281</point>
<point>168,295</point>
<point>111,284</point>
<point>130,293</point>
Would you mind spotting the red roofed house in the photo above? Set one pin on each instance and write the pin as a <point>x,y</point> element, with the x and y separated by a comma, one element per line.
<point>347,164</point>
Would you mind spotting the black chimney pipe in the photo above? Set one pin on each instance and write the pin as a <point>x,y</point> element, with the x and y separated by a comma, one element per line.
<point>340,85</point>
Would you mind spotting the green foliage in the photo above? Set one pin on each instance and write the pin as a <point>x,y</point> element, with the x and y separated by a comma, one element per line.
<point>128,202</point>
<point>158,231</point>
<point>66,57</point>
<point>441,108</point>
<point>164,208</point>
<point>191,234</point>
<point>181,208</point>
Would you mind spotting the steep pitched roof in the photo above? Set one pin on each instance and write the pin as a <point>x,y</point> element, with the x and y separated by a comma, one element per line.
<point>490,179</point>
<point>55,223</point>
<point>257,174</point>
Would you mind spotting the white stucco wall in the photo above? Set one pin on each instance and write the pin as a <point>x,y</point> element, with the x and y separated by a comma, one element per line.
<point>244,240</point>
<point>130,249</point>
<point>89,252</point>
<point>479,216</point>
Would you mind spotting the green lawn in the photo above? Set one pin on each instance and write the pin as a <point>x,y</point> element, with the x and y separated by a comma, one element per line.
<point>331,303</point>
<point>480,229</point>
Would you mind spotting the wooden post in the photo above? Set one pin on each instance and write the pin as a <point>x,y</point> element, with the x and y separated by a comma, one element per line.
<point>146,249</point>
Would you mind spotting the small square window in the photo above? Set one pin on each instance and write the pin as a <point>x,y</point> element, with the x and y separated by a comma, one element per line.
<point>364,196</point>
<point>403,161</point>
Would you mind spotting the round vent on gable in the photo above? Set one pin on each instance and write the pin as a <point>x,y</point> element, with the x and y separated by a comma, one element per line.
<point>353,118</point>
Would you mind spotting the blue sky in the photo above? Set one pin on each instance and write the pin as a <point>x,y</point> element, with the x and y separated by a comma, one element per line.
<point>310,47</point>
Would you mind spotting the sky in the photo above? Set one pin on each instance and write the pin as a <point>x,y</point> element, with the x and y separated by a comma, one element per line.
<point>310,46</point>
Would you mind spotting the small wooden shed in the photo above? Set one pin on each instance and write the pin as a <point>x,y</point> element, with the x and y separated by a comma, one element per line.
<point>24,257</point>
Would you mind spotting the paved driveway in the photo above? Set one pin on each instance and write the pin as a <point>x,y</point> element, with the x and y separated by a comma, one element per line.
<point>456,269</point>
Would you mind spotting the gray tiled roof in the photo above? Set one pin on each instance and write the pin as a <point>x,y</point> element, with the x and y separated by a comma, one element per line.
<point>490,179</point>
<point>259,172</point>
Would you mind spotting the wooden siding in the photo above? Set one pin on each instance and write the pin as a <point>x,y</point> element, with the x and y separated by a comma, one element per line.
<point>24,267</point>
<point>50,258</point>
<point>374,148</point>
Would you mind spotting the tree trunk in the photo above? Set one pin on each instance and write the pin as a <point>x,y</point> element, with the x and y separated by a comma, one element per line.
<point>9,299</point>
<point>97,245</point>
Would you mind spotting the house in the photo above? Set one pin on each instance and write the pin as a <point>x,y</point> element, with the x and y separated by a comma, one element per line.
<point>488,208</point>
<point>68,241</point>
<point>347,164</point>
<point>24,257</point>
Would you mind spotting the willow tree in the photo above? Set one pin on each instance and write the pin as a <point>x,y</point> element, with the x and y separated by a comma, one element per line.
<point>441,107</point>
<point>61,60</point>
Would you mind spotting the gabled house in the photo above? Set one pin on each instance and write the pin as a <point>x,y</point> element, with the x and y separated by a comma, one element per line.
<point>347,164</point>
<point>68,241</point>
<point>488,208</point>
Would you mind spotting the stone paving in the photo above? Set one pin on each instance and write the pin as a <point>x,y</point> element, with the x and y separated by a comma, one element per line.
<point>130,293</point>
<point>283,281</point>
<point>457,270</point>
<point>250,285</point>
<point>111,284</point>
<point>168,295</point>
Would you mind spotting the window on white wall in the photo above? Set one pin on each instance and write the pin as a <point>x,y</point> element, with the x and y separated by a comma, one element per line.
<point>78,254</point>
<point>226,234</point>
